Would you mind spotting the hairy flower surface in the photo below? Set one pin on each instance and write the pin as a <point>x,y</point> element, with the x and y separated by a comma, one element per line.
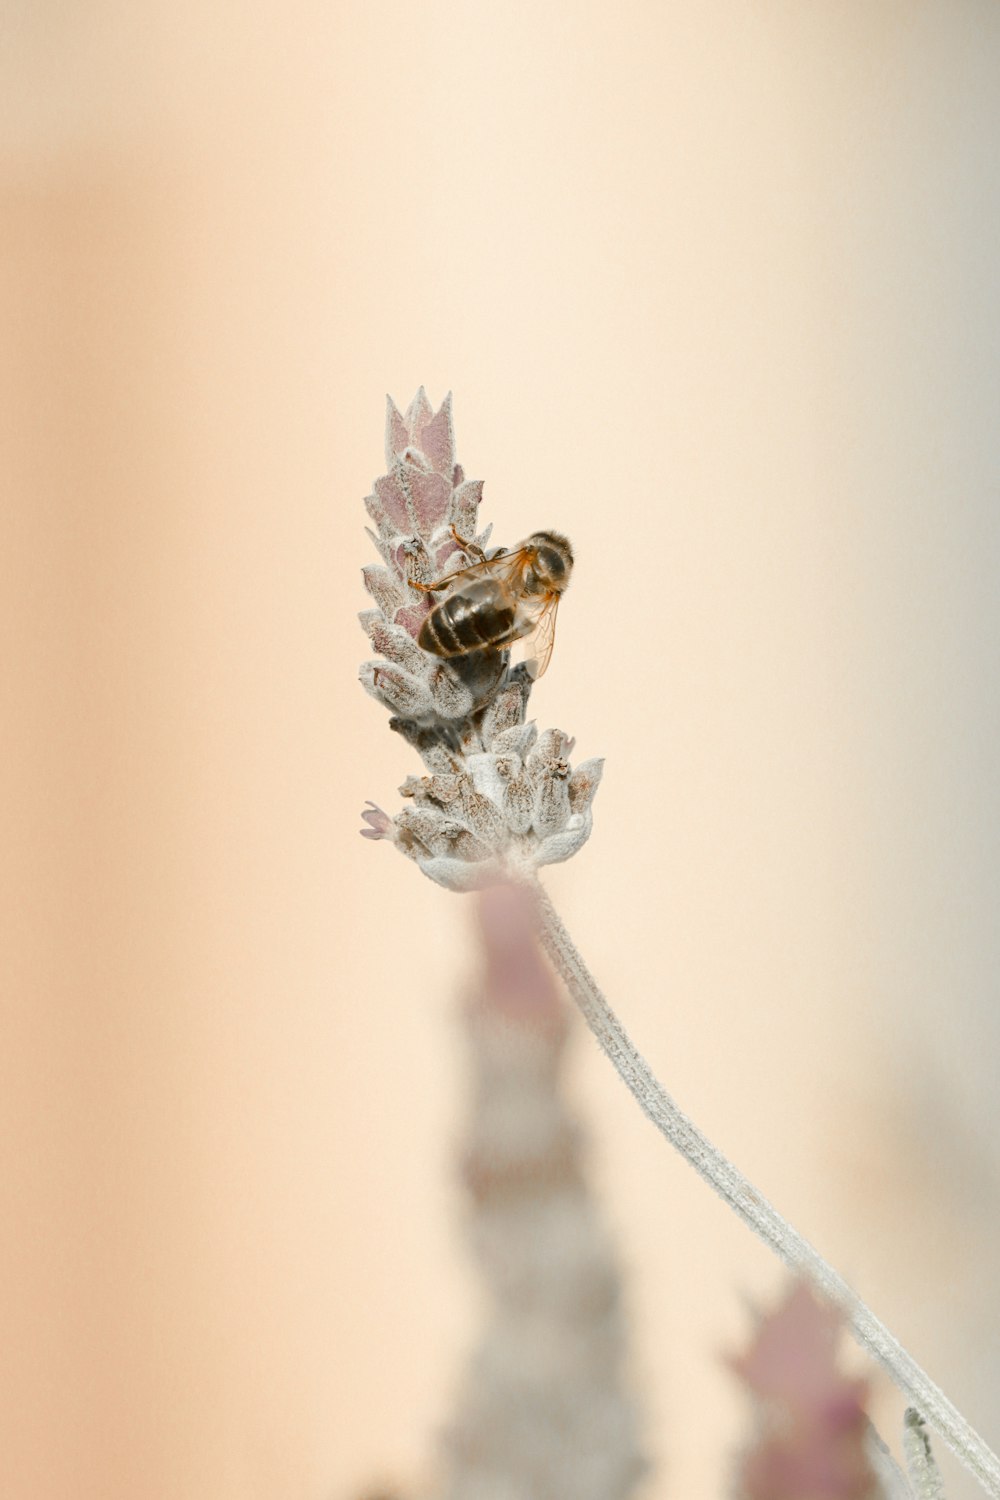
<point>812,1428</point>
<point>500,799</point>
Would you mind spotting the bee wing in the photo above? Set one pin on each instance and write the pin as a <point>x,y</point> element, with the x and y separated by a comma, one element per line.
<point>534,647</point>
<point>504,566</point>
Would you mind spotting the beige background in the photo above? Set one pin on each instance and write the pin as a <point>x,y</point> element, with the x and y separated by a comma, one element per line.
<point>715,287</point>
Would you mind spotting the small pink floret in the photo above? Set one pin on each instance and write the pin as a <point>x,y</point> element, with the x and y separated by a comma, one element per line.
<point>379,823</point>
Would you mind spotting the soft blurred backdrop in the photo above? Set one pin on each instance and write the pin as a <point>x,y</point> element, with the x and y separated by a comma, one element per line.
<point>715,286</point>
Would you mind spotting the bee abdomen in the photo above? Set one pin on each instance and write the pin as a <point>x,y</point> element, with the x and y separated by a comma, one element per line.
<point>467,622</point>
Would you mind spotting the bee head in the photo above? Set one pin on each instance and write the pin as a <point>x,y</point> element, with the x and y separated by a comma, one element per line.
<point>553,560</point>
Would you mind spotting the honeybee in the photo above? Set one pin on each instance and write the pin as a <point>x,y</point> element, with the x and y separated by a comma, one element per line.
<point>512,596</point>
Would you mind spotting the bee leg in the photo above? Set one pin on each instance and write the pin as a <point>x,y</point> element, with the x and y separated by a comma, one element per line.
<point>441,583</point>
<point>472,549</point>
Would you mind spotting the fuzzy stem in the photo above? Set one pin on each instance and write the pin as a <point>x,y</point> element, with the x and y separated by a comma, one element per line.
<point>755,1210</point>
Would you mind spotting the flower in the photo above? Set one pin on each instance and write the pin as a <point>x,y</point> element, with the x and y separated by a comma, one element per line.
<point>812,1428</point>
<point>419,507</point>
<point>500,799</point>
<point>544,1408</point>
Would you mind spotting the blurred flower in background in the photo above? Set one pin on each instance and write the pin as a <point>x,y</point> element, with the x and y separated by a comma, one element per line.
<point>813,1439</point>
<point>544,1409</point>
<point>810,1416</point>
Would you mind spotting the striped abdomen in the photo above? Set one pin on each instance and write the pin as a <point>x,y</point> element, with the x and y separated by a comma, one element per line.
<point>469,620</point>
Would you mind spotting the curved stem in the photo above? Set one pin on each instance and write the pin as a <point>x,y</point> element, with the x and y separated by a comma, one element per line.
<point>755,1210</point>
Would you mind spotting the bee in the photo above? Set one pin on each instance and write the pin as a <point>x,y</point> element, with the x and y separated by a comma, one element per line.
<point>511,596</point>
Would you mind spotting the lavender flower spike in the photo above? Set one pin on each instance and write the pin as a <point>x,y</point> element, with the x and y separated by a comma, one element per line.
<point>500,799</point>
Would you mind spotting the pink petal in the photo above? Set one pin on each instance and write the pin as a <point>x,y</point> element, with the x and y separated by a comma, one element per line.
<point>396,434</point>
<point>438,439</point>
<point>430,494</point>
<point>379,823</point>
<point>418,414</point>
<point>390,495</point>
<point>448,549</point>
<point>394,643</point>
<point>412,617</point>
<point>793,1359</point>
<point>384,589</point>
